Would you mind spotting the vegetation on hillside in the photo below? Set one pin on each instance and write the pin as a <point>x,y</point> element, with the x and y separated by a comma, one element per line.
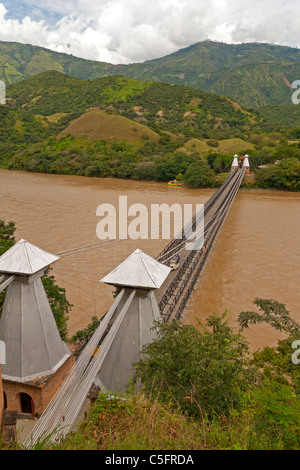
<point>119,127</point>
<point>21,61</point>
<point>254,75</point>
<point>285,174</point>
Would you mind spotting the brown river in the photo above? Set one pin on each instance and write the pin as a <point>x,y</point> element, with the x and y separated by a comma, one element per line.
<point>257,253</point>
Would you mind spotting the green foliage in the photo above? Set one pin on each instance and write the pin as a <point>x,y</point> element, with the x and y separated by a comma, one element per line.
<point>59,304</point>
<point>213,117</point>
<point>213,143</point>
<point>134,422</point>
<point>199,174</point>
<point>276,363</point>
<point>273,313</point>
<point>43,106</point>
<point>7,238</point>
<point>276,417</point>
<point>283,175</point>
<point>204,392</point>
<point>82,336</point>
<point>220,162</point>
<point>253,403</point>
<point>203,373</point>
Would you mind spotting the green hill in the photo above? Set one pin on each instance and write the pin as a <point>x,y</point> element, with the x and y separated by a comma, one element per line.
<point>96,124</point>
<point>121,127</point>
<point>254,75</point>
<point>183,111</point>
<point>21,61</point>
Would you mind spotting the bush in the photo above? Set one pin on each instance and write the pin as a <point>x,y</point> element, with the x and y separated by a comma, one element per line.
<point>203,373</point>
<point>199,174</point>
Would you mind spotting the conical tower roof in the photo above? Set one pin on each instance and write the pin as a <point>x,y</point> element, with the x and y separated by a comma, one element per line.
<point>235,160</point>
<point>139,270</point>
<point>246,161</point>
<point>24,258</point>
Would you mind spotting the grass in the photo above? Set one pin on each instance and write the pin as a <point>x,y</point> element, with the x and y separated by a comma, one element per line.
<point>97,124</point>
<point>135,423</point>
<point>230,146</point>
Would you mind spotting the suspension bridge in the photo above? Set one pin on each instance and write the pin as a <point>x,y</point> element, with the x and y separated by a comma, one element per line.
<point>147,290</point>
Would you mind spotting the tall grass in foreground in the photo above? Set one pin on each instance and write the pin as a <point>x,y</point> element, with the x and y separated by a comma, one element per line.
<point>135,422</point>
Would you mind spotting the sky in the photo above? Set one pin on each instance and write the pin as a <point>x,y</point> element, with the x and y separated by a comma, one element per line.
<point>130,31</point>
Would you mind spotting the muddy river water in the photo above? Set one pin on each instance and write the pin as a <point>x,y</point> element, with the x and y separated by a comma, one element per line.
<point>257,253</point>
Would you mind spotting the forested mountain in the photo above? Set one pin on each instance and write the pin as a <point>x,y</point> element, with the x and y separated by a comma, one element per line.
<point>120,127</point>
<point>161,106</point>
<point>252,74</point>
<point>115,109</point>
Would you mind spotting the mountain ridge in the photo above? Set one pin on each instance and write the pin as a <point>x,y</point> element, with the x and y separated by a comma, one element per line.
<point>252,74</point>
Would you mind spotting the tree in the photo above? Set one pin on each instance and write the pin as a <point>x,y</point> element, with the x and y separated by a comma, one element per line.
<point>7,238</point>
<point>199,174</point>
<point>210,374</point>
<point>59,304</point>
<point>82,336</point>
<point>202,372</point>
<point>285,174</point>
<point>273,313</point>
<point>276,363</point>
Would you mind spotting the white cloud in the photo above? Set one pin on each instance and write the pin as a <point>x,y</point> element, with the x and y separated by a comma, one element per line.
<point>123,31</point>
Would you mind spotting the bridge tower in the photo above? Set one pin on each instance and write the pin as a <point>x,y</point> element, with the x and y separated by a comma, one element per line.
<point>36,358</point>
<point>246,165</point>
<point>141,274</point>
<point>235,163</point>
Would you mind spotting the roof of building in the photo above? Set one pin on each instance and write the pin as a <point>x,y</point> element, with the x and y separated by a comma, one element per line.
<point>25,258</point>
<point>138,270</point>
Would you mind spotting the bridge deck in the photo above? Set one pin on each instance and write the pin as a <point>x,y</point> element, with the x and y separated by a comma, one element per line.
<point>177,288</point>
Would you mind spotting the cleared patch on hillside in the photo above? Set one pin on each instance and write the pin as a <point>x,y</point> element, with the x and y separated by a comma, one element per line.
<point>19,126</point>
<point>56,117</point>
<point>233,145</point>
<point>96,124</point>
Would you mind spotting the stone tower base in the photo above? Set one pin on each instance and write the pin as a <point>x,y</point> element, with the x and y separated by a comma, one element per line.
<point>31,398</point>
